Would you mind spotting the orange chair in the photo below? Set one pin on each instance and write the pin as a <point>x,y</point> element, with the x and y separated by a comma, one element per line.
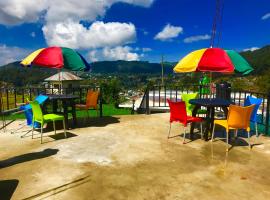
<point>238,118</point>
<point>91,102</point>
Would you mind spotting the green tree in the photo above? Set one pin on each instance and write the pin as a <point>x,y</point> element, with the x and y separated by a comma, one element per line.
<point>111,92</point>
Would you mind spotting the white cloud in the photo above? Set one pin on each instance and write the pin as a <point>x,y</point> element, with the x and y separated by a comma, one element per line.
<point>116,53</point>
<point>146,49</point>
<point>120,53</point>
<point>266,16</point>
<point>33,34</point>
<point>14,12</point>
<point>62,19</point>
<point>251,49</point>
<point>196,38</point>
<point>169,32</point>
<point>93,55</point>
<point>11,54</point>
<point>99,34</point>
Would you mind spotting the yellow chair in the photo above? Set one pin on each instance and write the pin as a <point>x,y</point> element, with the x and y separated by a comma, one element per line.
<point>91,102</point>
<point>238,118</point>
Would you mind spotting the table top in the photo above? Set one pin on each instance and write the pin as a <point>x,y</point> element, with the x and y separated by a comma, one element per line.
<point>62,96</point>
<point>211,102</point>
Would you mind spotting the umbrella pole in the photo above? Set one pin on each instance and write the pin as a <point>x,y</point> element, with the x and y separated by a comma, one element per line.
<point>210,84</point>
<point>59,81</point>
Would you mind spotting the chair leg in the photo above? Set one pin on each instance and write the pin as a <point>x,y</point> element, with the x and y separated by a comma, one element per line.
<point>169,131</point>
<point>227,139</point>
<point>33,131</point>
<point>213,133</point>
<point>64,126</point>
<point>97,111</point>
<point>201,131</point>
<point>54,127</point>
<point>41,133</point>
<point>249,145</point>
<point>184,135</point>
<point>256,127</point>
<point>88,117</point>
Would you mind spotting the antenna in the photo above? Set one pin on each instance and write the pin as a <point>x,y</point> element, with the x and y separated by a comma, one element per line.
<point>217,23</point>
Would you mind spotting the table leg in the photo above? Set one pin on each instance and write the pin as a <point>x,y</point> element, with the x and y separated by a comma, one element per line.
<point>65,113</point>
<point>212,119</point>
<point>54,104</point>
<point>194,113</point>
<point>74,113</point>
<point>225,110</point>
<point>208,123</point>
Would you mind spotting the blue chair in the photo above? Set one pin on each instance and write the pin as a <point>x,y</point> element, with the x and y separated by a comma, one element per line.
<point>28,109</point>
<point>257,101</point>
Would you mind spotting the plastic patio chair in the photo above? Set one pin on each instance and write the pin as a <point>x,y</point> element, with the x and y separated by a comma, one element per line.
<point>178,113</point>
<point>91,102</point>
<point>238,118</point>
<point>27,110</point>
<point>257,101</point>
<point>190,107</point>
<point>42,119</point>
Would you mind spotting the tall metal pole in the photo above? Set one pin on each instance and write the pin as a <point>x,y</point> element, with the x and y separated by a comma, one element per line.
<point>162,70</point>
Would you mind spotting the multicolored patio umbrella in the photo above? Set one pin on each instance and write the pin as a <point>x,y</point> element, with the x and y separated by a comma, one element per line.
<point>213,60</point>
<point>58,58</point>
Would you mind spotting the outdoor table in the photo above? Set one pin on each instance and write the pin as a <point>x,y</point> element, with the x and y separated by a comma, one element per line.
<point>68,100</point>
<point>210,104</point>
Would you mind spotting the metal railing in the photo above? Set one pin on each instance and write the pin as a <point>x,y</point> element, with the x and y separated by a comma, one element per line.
<point>12,97</point>
<point>155,98</point>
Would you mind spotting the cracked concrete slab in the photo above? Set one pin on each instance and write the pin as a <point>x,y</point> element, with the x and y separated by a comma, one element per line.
<point>130,157</point>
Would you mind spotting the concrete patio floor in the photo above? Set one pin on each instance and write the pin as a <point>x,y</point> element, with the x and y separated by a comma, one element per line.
<point>129,157</point>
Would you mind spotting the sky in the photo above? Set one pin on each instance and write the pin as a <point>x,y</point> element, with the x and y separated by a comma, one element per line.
<point>129,29</point>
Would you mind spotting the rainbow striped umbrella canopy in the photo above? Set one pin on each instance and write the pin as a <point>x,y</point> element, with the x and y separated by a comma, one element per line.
<point>213,60</point>
<point>58,58</point>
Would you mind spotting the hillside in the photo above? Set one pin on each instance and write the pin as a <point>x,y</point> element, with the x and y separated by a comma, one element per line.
<point>19,76</point>
<point>132,67</point>
<point>259,59</point>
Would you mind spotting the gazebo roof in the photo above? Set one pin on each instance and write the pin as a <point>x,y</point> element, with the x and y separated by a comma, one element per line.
<point>63,76</point>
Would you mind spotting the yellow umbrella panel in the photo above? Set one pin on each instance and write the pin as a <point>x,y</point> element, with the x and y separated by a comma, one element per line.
<point>190,62</point>
<point>29,59</point>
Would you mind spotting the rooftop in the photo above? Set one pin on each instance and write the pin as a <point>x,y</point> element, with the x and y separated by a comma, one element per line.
<point>63,76</point>
<point>129,157</point>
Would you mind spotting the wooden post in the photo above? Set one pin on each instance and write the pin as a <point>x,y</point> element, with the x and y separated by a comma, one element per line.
<point>162,70</point>
<point>100,103</point>
<point>147,101</point>
<point>133,106</point>
<point>267,115</point>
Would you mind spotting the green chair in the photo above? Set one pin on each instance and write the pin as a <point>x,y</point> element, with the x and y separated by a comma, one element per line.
<point>42,119</point>
<point>190,107</point>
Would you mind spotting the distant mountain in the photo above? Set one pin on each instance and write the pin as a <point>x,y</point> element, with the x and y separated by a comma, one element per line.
<point>21,76</point>
<point>259,59</point>
<point>132,67</point>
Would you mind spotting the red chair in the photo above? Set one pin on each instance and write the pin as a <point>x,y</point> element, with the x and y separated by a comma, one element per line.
<point>178,113</point>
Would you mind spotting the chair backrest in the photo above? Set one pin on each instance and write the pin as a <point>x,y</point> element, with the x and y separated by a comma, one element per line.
<point>252,100</point>
<point>37,112</point>
<point>41,98</point>
<point>239,116</point>
<point>178,111</point>
<point>92,98</point>
<point>186,98</point>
